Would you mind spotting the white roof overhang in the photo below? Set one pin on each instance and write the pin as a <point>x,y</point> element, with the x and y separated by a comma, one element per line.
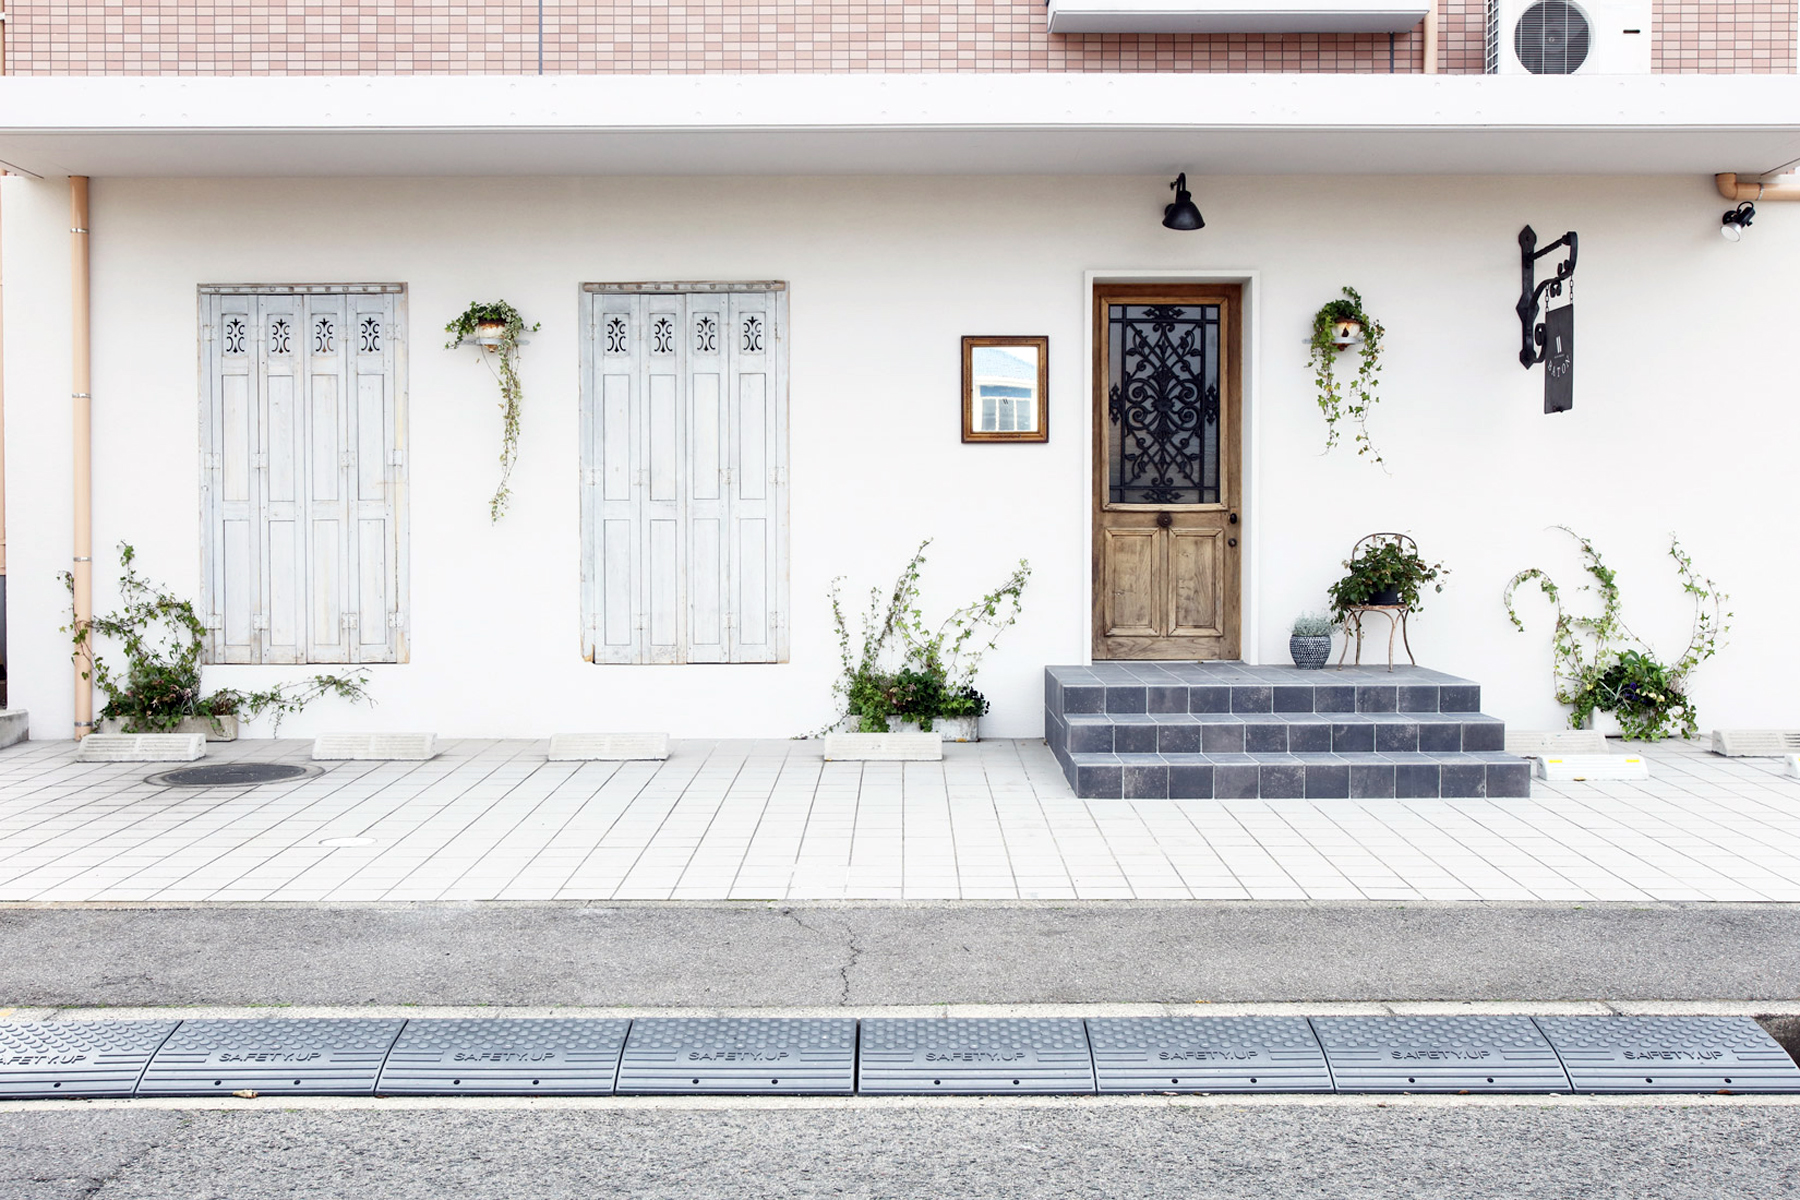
<point>899,124</point>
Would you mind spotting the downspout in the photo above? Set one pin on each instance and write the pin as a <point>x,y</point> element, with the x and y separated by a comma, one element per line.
<point>1431,39</point>
<point>1737,193</point>
<point>81,384</point>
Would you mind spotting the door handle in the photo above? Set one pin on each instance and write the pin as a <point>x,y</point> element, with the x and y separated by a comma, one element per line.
<point>1234,518</point>
<point>1164,520</point>
<point>1232,542</point>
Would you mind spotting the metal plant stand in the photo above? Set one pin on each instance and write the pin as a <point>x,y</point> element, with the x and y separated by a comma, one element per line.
<point>1396,615</point>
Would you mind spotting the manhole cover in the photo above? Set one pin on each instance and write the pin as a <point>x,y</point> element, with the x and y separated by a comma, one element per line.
<point>231,774</point>
<point>1207,1054</point>
<point>973,1056</point>
<point>742,1055</point>
<point>505,1057</point>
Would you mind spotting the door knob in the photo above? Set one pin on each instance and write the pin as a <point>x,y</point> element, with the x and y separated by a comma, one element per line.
<point>1234,518</point>
<point>1164,520</point>
<point>1231,542</point>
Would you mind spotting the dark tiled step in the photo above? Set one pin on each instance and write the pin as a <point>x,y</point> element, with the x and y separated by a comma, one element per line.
<point>1275,733</point>
<point>1296,776</point>
<point>1223,688</point>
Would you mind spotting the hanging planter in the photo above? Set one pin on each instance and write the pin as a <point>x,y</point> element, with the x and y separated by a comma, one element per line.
<point>1337,326</point>
<point>495,326</point>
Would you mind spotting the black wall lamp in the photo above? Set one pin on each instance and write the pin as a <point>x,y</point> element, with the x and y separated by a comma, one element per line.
<point>1183,213</point>
<point>1552,340</point>
<point>1736,220</point>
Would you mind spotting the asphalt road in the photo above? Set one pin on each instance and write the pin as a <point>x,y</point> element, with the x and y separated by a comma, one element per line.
<point>997,1152</point>
<point>876,954</point>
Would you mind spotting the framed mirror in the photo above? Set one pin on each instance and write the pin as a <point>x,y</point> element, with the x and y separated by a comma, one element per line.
<point>1006,389</point>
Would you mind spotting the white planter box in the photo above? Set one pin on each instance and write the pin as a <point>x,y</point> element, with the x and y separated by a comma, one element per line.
<point>883,747</point>
<point>951,729</point>
<point>226,729</point>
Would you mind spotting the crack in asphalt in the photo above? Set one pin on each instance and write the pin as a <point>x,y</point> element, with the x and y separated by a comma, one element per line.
<point>852,948</point>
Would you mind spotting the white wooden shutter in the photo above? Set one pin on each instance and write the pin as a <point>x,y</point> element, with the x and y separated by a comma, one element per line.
<point>374,479</point>
<point>330,461</point>
<point>282,619</point>
<point>683,458</point>
<point>231,496</point>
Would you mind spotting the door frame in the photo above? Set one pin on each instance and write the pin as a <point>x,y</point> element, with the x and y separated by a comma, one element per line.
<point>1250,376</point>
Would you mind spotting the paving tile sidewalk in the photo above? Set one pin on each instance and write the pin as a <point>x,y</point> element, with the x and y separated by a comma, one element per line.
<point>493,820</point>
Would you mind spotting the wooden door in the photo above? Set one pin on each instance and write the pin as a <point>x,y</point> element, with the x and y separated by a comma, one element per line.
<point>1168,452</point>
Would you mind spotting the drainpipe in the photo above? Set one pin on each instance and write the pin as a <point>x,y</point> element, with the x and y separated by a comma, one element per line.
<point>81,383</point>
<point>1431,39</point>
<point>1736,192</point>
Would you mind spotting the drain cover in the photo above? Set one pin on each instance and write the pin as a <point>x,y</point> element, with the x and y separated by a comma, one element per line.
<point>1207,1054</point>
<point>231,774</point>
<point>306,1055</point>
<point>741,1055</point>
<point>503,1057</point>
<point>76,1058</point>
<point>981,1055</point>
<point>1439,1054</point>
<point>1670,1054</point>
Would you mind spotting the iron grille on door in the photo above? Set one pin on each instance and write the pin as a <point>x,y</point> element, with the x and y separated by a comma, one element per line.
<point>684,451</point>
<point>302,436</point>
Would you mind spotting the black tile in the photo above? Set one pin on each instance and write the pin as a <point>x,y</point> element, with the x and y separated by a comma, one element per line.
<point>1269,738</point>
<point>1281,780</point>
<point>1168,700</point>
<point>1397,737</point>
<point>1483,735</point>
<point>1440,737</point>
<point>1146,783</point>
<point>1083,699</point>
<point>1126,699</point>
<point>1235,782</point>
<point>1178,739</point>
<point>1134,738</point>
<point>1371,781</point>
<point>1377,699</point>
<point>1089,738</point>
<point>1052,693</point>
<point>1222,737</point>
<point>1209,699</point>
<point>1252,699</point>
<point>1334,698</point>
<point>1512,780</point>
<point>1309,737</point>
<point>1459,698</point>
<point>1294,699</point>
<point>1416,781</point>
<point>1418,699</point>
<point>1325,782</point>
<point>1190,783</point>
<point>1353,739</point>
<point>1463,779</point>
<point>1098,783</point>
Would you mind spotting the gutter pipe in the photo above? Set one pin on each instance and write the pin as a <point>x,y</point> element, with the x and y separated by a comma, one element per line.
<point>82,404</point>
<point>1737,193</point>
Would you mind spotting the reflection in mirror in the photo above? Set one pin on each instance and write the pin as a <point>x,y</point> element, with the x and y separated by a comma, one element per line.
<point>1004,386</point>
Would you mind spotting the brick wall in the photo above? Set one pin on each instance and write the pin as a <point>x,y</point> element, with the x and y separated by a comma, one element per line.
<point>152,37</point>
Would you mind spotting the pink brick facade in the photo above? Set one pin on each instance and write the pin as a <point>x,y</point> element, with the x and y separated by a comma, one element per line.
<point>59,37</point>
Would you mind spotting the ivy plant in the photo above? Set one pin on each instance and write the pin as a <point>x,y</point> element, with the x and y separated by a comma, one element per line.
<point>1351,399</point>
<point>1389,563</point>
<point>902,667</point>
<point>1599,665</point>
<point>158,687</point>
<point>463,328</point>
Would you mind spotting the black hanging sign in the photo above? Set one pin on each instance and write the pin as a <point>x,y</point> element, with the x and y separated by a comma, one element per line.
<point>1552,340</point>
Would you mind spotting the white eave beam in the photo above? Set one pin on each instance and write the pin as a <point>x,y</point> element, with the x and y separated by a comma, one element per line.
<point>1233,16</point>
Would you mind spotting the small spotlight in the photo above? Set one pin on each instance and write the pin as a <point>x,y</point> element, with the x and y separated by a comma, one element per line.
<point>1736,220</point>
<point>1182,214</point>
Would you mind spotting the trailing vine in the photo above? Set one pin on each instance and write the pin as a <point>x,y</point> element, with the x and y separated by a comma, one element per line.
<point>161,637</point>
<point>1599,665</point>
<point>905,668</point>
<point>1351,399</point>
<point>498,312</point>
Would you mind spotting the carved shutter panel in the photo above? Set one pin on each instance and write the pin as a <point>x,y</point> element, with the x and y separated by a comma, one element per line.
<point>663,479</point>
<point>611,431</point>
<point>283,562</point>
<point>231,499</point>
<point>708,326</point>
<point>329,462</point>
<point>758,449</point>
<point>374,479</point>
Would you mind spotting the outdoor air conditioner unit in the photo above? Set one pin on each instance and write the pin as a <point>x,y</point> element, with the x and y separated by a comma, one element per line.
<point>1568,37</point>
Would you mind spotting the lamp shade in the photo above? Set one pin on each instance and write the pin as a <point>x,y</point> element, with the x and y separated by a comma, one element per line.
<point>1183,213</point>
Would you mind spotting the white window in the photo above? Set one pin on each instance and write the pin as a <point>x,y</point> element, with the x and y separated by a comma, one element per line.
<point>684,483</point>
<point>303,434</point>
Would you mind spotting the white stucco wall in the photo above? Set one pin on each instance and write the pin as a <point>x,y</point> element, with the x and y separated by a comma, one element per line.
<point>1683,420</point>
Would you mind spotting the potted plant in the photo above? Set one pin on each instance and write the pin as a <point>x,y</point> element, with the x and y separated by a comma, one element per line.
<point>907,677</point>
<point>159,689</point>
<point>1385,569</point>
<point>1310,641</point>
<point>1338,325</point>
<point>495,326</point>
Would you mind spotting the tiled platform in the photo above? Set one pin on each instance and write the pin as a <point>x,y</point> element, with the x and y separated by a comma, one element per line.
<point>493,820</point>
<point>1180,731</point>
